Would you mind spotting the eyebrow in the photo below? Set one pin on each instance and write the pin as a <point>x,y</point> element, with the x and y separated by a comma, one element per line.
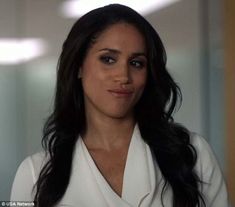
<point>135,54</point>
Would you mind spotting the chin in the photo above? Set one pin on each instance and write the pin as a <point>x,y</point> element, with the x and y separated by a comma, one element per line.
<point>120,114</point>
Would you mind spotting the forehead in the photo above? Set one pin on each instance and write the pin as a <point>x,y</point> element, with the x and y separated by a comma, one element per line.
<point>121,36</point>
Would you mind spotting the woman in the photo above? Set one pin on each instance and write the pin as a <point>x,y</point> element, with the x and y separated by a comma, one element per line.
<point>111,140</point>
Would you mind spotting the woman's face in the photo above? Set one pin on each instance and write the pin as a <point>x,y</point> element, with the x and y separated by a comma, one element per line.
<point>114,72</point>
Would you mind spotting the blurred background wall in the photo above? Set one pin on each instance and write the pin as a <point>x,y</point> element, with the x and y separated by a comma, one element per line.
<point>194,33</point>
<point>229,69</point>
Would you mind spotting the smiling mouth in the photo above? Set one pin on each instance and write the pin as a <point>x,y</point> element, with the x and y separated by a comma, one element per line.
<point>121,93</point>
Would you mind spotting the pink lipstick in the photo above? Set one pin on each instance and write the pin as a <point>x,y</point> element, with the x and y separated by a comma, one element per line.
<point>121,93</point>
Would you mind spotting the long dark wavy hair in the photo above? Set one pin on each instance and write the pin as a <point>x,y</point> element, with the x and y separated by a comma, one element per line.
<point>168,141</point>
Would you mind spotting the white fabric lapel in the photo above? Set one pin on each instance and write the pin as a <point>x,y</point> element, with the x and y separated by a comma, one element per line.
<point>143,179</point>
<point>83,190</point>
<point>88,187</point>
<point>136,183</point>
<point>110,197</point>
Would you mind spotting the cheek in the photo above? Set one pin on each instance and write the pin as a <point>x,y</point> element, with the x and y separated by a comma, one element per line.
<point>140,86</point>
<point>141,81</point>
<point>89,73</point>
<point>92,80</point>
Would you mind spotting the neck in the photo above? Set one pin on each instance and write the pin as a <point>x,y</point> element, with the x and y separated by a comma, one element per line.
<point>108,133</point>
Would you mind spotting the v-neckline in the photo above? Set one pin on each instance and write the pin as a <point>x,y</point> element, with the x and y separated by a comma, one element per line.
<point>98,173</point>
<point>137,146</point>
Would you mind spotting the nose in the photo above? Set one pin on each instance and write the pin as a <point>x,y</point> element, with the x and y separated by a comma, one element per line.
<point>122,76</point>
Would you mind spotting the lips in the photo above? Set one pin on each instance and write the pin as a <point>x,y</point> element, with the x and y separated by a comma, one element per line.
<point>121,93</point>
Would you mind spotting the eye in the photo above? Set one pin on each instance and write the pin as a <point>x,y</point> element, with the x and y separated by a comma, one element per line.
<point>107,60</point>
<point>137,63</point>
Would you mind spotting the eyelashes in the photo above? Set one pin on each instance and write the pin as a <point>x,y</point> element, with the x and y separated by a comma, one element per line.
<point>109,60</point>
<point>138,63</point>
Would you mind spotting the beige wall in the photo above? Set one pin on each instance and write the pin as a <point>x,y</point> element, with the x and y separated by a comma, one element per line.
<point>229,17</point>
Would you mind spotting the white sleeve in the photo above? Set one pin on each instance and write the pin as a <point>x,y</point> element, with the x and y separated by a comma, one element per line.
<point>213,186</point>
<point>23,182</point>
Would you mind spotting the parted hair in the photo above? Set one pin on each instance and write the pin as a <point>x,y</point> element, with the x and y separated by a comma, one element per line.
<point>168,141</point>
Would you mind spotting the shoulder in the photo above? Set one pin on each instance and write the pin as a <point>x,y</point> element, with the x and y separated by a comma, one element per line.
<point>33,164</point>
<point>37,161</point>
<point>198,141</point>
<point>26,176</point>
<point>201,146</point>
<point>213,186</point>
<point>206,160</point>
